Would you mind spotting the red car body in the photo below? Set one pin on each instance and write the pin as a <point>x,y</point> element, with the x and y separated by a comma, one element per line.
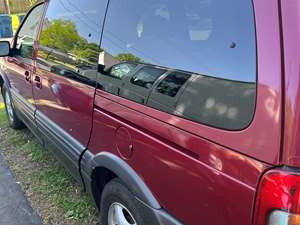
<point>197,173</point>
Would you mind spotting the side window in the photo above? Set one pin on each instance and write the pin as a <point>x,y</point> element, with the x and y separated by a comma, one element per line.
<point>222,103</point>
<point>70,39</point>
<point>28,33</point>
<point>204,45</point>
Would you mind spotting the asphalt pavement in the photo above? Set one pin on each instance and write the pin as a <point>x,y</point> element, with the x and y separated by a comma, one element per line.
<point>14,206</point>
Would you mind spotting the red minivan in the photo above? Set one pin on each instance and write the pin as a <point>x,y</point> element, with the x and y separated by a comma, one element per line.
<point>167,112</point>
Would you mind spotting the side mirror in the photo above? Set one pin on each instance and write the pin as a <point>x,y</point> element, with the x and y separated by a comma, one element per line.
<point>4,48</point>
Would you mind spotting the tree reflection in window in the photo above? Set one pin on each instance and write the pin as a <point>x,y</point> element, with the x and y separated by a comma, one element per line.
<point>66,53</point>
<point>123,57</point>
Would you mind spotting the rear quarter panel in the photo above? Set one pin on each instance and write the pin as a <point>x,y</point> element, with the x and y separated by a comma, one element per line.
<point>203,175</point>
<point>192,178</point>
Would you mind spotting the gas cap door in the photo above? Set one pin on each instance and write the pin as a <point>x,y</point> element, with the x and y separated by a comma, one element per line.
<point>124,142</point>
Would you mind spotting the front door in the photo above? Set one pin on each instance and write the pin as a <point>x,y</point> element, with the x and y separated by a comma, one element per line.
<point>65,79</point>
<point>20,65</point>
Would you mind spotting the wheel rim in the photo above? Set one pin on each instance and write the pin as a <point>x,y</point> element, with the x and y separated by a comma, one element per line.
<point>9,107</point>
<point>120,215</point>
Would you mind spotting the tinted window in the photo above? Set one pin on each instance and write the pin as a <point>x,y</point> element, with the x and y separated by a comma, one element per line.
<point>70,38</point>
<point>28,32</point>
<point>221,103</point>
<point>146,77</point>
<point>194,38</point>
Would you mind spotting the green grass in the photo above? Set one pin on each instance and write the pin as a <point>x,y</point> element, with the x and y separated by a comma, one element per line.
<point>3,120</point>
<point>50,181</point>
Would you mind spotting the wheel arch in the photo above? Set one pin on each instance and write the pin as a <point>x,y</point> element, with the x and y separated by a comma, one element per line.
<point>107,166</point>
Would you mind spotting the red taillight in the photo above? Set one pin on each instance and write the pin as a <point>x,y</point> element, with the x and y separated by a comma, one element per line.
<point>278,199</point>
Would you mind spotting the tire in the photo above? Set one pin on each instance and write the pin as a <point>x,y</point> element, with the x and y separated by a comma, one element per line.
<point>117,198</point>
<point>12,117</point>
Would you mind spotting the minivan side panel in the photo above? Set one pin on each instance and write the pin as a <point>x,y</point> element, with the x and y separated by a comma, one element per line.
<point>196,171</point>
<point>191,177</point>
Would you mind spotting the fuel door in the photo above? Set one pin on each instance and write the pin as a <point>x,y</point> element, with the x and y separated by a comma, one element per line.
<point>124,142</point>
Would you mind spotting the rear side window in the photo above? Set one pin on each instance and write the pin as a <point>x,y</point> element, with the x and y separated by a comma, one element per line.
<point>201,44</point>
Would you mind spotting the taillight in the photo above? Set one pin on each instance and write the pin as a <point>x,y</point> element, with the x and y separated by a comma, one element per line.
<point>278,199</point>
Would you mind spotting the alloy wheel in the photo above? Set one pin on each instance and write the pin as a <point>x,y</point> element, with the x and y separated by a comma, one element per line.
<point>120,215</point>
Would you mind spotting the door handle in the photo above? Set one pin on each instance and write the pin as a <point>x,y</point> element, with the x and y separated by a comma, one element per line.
<point>27,76</point>
<point>38,82</point>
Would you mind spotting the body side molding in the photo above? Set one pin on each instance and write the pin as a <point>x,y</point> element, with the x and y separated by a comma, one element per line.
<point>23,105</point>
<point>67,148</point>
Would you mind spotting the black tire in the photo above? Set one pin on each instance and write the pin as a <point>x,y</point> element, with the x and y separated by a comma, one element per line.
<point>116,192</point>
<point>12,117</point>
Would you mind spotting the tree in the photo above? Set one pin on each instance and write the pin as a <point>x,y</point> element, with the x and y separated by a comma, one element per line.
<point>128,57</point>
<point>63,35</point>
<point>88,51</point>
